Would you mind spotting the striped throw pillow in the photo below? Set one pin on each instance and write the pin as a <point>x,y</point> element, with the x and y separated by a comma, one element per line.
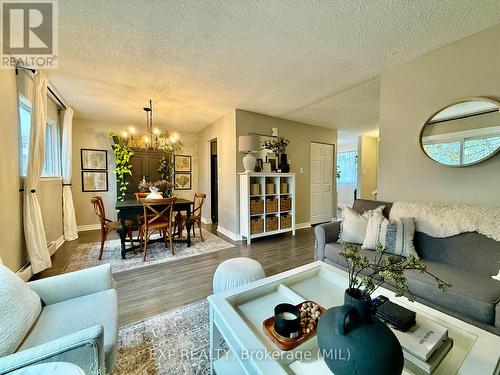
<point>396,236</point>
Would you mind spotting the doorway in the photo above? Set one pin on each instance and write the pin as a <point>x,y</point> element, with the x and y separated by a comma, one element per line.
<point>214,181</point>
<point>322,185</point>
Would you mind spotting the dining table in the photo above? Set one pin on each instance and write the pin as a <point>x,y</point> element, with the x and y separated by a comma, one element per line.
<point>132,209</point>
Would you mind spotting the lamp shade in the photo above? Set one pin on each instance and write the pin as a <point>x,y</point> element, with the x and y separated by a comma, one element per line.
<point>248,143</point>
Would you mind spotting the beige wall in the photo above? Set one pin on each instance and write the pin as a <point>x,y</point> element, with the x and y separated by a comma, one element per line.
<point>224,130</point>
<point>94,134</point>
<point>49,195</point>
<point>12,250</point>
<point>410,93</point>
<point>300,136</point>
<point>367,166</point>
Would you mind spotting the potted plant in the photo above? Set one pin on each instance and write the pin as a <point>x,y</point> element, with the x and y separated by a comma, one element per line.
<point>353,328</point>
<point>278,147</point>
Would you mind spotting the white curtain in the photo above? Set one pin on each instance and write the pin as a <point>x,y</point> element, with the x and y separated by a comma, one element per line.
<point>34,231</point>
<point>69,219</point>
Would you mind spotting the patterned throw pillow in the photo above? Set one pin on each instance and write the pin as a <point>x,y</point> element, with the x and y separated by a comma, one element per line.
<point>353,226</point>
<point>396,236</point>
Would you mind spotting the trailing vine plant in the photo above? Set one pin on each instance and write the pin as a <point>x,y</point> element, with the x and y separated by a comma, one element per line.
<point>123,153</point>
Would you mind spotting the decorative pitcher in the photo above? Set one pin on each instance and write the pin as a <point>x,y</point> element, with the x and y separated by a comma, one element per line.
<point>353,341</point>
<point>155,194</point>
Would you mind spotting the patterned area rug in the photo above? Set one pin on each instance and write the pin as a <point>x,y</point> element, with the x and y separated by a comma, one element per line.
<point>175,342</point>
<point>86,255</point>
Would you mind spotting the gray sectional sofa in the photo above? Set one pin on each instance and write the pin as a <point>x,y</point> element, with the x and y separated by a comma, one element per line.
<point>467,261</point>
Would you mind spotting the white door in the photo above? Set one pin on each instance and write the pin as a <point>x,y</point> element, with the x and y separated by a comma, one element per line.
<point>322,184</point>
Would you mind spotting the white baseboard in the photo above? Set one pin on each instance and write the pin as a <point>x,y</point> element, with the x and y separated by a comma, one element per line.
<point>302,225</point>
<point>204,220</point>
<point>84,228</point>
<point>228,233</point>
<point>60,241</point>
<point>26,272</point>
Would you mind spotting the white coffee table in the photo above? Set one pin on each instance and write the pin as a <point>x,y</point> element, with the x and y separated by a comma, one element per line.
<point>237,316</point>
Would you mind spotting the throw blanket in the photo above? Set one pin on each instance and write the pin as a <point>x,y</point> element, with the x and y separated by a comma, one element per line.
<point>445,220</point>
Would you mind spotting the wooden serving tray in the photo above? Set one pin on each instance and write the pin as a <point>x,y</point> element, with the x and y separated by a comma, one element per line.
<point>285,343</point>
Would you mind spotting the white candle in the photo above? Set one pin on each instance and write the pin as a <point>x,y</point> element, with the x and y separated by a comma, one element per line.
<point>287,315</point>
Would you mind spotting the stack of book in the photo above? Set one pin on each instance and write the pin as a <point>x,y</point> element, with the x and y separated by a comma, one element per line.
<point>425,344</point>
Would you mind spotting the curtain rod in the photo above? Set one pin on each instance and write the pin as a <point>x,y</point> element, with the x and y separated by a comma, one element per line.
<point>48,87</point>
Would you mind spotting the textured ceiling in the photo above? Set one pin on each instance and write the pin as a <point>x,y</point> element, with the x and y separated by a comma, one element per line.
<point>199,59</point>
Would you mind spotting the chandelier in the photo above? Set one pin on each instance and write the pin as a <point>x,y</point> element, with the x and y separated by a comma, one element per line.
<point>154,139</point>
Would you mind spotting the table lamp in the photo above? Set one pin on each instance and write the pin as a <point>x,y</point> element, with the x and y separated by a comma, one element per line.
<point>248,143</point>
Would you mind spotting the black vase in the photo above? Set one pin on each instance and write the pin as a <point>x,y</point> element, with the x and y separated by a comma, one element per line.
<point>353,341</point>
<point>284,166</point>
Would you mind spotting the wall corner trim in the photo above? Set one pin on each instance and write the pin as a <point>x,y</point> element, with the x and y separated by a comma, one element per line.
<point>204,220</point>
<point>228,233</point>
<point>84,228</point>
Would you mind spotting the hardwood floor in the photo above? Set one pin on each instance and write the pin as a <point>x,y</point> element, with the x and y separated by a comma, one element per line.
<point>148,291</point>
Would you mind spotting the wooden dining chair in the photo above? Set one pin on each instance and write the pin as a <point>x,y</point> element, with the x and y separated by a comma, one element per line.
<point>106,224</point>
<point>198,201</point>
<point>157,218</point>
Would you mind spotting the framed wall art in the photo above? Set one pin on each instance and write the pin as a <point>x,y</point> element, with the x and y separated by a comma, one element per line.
<point>182,181</point>
<point>182,163</point>
<point>95,160</point>
<point>94,181</point>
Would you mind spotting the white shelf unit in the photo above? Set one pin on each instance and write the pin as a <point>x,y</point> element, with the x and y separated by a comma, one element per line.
<point>246,179</point>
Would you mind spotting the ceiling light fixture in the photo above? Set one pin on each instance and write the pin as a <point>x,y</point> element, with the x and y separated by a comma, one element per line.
<point>154,139</point>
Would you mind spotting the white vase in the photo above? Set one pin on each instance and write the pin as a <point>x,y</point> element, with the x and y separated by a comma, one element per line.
<point>155,194</point>
<point>249,162</point>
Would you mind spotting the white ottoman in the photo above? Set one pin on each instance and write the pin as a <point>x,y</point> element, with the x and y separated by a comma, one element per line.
<point>236,272</point>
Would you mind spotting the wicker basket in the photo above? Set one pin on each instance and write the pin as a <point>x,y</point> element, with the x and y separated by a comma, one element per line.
<point>256,225</point>
<point>284,188</point>
<point>270,188</point>
<point>256,206</point>
<point>271,205</point>
<point>254,189</point>
<point>285,203</point>
<point>271,223</point>
<point>285,221</point>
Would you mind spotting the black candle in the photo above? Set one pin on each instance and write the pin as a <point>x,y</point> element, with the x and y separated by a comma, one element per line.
<point>287,320</point>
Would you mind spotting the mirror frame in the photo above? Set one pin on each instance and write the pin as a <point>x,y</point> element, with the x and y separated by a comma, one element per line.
<point>458,101</point>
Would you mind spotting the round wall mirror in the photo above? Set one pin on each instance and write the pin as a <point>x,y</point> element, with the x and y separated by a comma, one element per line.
<point>464,133</point>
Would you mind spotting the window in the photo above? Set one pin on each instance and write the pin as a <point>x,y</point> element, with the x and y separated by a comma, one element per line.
<point>347,166</point>
<point>24,133</point>
<point>445,152</point>
<point>52,164</point>
<point>462,151</point>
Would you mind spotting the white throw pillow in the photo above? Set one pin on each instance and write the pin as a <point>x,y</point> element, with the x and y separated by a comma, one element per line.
<point>396,236</point>
<point>19,309</point>
<point>353,226</point>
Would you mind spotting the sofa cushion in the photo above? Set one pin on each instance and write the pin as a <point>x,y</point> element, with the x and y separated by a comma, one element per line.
<point>472,294</point>
<point>396,236</point>
<point>467,250</point>
<point>363,205</point>
<point>64,318</point>
<point>332,254</point>
<point>19,309</point>
<point>354,224</point>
